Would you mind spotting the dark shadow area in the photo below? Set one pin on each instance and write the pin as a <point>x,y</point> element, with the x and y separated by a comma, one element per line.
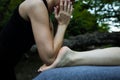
<point>26,69</point>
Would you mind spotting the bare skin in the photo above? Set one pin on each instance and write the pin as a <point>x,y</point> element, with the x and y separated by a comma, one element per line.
<point>36,12</point>
<point>48,46</point>
<point>68,57</point>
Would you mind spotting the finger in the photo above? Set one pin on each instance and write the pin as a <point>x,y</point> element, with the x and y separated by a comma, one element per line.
<point>45,68</point>
<point>71,10</point>
<point>69,6</point>
<point>65,5</point>
<point>55,11</point>
<point>39,70</point>
<point>61,5</point>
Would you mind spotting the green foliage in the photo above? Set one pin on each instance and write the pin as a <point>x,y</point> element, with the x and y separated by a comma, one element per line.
<point>108,1</point>
<point>83,20</point>
<point>14,3</point>
<point>6,9</point>
<point>102,11</point>
<point>106,10</point>
<point>103,28</point>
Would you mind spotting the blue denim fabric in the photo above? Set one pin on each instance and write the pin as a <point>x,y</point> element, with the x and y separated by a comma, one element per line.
<point>81,73</point>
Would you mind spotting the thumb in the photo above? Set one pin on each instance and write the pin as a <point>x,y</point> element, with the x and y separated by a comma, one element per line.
<point>56,11</point>
<point>44,67</point>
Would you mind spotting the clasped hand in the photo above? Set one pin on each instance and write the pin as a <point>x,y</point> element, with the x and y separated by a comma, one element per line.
<point>63,12</point>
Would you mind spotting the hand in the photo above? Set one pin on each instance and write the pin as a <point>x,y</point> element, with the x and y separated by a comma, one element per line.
<point>64,14</point>
<point>44,67</point>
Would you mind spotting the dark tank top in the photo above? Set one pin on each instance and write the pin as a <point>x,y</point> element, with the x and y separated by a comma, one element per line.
<point>17,26</point>
<point>16,37</point>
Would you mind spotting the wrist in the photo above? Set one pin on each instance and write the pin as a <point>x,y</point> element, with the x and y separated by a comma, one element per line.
<point>64,26</point>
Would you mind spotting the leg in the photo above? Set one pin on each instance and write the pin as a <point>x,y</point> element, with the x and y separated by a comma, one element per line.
<point>67,57</point>
<point>106,56</point>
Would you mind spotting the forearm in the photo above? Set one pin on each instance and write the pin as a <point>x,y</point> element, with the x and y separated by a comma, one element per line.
<point>58,39</point>
<point>51,53</point>
<point>62,15</point>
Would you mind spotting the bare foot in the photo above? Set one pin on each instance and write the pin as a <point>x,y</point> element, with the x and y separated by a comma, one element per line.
<point>63,59</point>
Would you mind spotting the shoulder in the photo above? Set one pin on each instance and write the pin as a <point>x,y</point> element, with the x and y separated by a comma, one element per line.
<point>31,6</point>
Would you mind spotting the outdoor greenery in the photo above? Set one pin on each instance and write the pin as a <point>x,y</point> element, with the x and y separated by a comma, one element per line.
<point>6,9</point>
<point>94,15</point>
<point>88,15</point>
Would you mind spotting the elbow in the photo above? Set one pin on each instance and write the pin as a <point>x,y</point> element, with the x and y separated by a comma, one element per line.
<point>48,58</point>
<point>47,54</point>
<point>49,61</point>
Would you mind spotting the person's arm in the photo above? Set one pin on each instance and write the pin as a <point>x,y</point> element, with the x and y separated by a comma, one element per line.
<point>63,18</point>
<point>47,45</point>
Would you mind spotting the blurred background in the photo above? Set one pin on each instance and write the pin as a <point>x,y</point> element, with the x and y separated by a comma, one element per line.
<point>94,24</point>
